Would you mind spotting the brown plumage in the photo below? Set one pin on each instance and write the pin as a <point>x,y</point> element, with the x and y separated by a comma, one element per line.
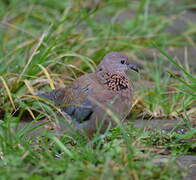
<point>85,100</point>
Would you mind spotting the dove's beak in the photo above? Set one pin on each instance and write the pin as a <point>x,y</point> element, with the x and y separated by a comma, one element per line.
<point>133,67</point>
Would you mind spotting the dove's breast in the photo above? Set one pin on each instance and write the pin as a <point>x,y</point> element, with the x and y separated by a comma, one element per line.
<point>116,99</point>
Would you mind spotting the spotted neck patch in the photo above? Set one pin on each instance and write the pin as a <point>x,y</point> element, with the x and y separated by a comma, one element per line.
<point>115,82</point>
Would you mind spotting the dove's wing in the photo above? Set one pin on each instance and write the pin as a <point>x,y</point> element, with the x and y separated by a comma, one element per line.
<point>73,99</point>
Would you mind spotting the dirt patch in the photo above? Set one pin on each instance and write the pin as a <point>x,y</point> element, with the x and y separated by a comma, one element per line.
<point>187,163</point>
<point>167,125</point>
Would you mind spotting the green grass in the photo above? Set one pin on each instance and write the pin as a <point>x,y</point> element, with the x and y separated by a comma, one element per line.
<point>46,44</point>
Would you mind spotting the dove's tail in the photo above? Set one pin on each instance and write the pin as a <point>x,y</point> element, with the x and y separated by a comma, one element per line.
<point>46,94</point>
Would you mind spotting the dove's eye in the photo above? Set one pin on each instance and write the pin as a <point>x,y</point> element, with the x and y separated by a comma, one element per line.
<point>123,62</point>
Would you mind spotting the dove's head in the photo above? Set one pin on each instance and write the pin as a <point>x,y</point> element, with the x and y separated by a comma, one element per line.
<point>116,62</point>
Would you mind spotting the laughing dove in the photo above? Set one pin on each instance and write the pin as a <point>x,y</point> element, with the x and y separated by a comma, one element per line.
<point>90,97</point>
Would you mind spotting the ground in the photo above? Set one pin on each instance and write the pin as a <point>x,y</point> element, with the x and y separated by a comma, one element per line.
<point>47,44</point>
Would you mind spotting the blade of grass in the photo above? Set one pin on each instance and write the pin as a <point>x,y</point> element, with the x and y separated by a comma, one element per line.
<point>51,82</point>
<point>170,58</point>
<point>62,146</point>
<point>8,92</point>
<point>35,51</point>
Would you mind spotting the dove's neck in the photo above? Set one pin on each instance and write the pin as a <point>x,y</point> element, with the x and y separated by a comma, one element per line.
<point>113,80</point>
